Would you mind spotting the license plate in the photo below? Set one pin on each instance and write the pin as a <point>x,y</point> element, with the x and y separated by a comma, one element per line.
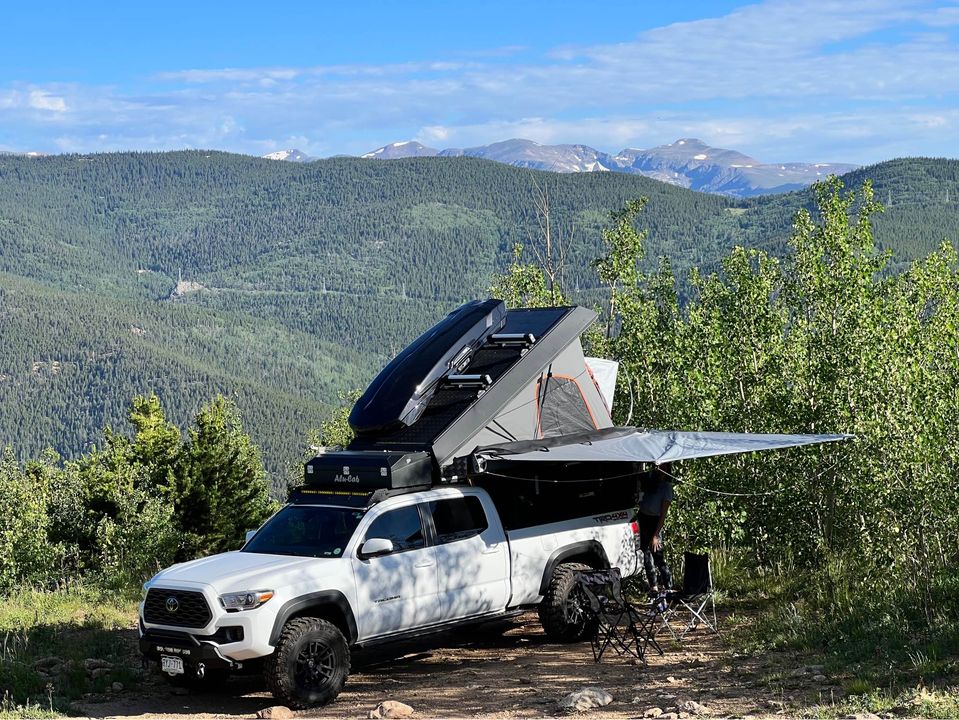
<point>171,665</point>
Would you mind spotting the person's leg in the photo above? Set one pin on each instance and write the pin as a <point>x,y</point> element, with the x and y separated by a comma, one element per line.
<point>647,527</point>
<point>665,576</point>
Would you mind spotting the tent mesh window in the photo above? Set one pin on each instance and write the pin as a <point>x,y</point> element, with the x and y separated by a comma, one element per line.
<point>561,407</point>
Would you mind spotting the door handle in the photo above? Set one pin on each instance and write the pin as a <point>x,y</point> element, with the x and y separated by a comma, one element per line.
<point>423,564</point>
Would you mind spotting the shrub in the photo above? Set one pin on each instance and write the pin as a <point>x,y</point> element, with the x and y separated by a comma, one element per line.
<point>26,555</point>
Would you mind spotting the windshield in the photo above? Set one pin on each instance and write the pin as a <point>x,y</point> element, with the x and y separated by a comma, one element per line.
<point>307,531</point>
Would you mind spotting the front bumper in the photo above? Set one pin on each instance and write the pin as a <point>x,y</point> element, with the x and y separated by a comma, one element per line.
<point>196,653</point>
<point>232,636</point>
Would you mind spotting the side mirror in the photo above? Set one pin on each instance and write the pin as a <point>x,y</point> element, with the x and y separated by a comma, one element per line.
<point>374,547</point>
<point>249,536</point>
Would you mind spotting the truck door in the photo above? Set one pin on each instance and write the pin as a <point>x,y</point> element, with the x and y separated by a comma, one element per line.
<point>472,563</point>
<point>398,591</point>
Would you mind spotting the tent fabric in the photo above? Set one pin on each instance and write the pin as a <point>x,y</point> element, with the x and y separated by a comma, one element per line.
<point>604,374</point>
<point>562,407</point>
<point>649,446</point>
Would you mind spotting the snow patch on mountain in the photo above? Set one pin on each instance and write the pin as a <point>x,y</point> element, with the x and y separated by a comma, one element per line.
<point>292,155</point>
<point>404,148</point>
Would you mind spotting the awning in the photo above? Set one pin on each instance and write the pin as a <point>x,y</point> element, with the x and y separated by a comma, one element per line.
<point>648,446</point>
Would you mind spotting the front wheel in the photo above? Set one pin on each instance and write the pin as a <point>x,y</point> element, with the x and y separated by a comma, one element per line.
<point>310,664</point>
<point>563,612</point>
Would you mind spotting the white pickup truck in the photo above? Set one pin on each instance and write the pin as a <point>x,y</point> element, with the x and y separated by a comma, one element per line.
<point>324,576</point>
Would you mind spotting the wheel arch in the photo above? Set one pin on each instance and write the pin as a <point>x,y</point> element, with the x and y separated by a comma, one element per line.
<point>588,552</point>
<point>329,605</point>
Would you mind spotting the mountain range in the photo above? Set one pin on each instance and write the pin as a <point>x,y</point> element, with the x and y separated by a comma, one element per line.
<point>688,163</point>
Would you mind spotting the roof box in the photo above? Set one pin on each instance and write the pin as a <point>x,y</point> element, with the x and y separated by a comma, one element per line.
<point>399,394</point>
<point>370,470</point>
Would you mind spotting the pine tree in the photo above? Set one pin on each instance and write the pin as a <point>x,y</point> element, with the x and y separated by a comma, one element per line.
<point>223,489</point>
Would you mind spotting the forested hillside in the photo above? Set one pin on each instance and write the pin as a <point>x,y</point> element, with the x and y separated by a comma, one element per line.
<point>301,279</point>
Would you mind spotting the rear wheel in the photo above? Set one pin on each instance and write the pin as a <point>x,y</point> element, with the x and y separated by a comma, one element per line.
<point>310,664</point>
<point>563,612</point>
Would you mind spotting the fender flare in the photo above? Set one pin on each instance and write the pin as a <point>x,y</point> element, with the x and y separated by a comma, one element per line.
<point>324,598</point>
<point>585,547</point>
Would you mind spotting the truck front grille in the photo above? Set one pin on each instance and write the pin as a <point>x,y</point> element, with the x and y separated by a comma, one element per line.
<point>180,608</point>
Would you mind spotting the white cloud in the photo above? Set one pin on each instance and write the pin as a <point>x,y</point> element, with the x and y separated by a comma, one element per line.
<point>828,76</point>
<point>433,133</point>
<point>942,17</point>
<point>43,100</point>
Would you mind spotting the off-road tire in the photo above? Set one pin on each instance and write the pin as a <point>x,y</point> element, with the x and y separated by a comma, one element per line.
<point>288,672</point>
<point>562,612</point>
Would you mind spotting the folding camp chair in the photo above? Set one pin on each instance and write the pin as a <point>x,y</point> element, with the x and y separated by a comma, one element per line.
<point>695,595</point>
<point>628,629</point>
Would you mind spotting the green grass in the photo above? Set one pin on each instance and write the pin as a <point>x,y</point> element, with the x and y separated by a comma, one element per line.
<point>890,650</point>
<point>917,702</point>
<point>63,628</point>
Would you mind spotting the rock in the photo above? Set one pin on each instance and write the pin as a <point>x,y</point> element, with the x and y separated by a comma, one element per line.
<point>91,664</point>
<point>653,712</point>
<point>117,687</point>
<point>799,672</point>
<point>819,678</point>
<point>816,669</point>
<point>586,699</point>
<point>100,672</point>
<point>671,680</point>
<point>865,716</point>
<point>669,716</point>
<point>276,712</point>
<point>692,707</point>
<point>391,709</point>
<point>47,663</point>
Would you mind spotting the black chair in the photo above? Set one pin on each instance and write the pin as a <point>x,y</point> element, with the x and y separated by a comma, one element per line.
<point>616,623</point>
<point>693,598</point>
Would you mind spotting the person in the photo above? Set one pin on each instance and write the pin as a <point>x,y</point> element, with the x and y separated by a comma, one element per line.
<point>657,496</point>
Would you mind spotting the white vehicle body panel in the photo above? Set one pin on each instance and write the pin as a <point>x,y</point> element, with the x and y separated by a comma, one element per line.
<point>396,591</point>
<point>473,573</point>
<point>403,592</point>
<point>532,548</point>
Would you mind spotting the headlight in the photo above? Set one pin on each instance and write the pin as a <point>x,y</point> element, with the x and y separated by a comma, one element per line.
<point>246,600</point>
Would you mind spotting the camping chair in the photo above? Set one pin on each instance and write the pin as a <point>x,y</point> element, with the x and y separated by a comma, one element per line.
<point>695,595</point>
<point>628,629</point>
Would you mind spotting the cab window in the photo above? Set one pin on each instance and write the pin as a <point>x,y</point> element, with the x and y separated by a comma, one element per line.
<point>458,518</point>
<point>402,526</point>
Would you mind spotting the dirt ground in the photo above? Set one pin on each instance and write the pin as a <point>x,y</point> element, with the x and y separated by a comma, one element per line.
<point>511,671</point>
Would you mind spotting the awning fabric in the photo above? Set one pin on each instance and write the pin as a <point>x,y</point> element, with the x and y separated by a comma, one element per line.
<point>649,446</point>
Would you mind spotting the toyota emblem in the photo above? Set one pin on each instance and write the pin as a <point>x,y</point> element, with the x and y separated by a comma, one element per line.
<point>172,604</point>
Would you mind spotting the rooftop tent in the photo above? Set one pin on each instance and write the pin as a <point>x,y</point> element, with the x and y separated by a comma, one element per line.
<point>486,386</point>
<point>526,369</point>
<point>604,374</point>
<point>636,445</point>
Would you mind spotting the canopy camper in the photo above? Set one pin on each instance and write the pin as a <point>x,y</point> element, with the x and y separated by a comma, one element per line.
<point>489,395</point>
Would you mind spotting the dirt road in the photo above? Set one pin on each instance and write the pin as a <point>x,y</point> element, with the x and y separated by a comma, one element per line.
<point>513,674</point>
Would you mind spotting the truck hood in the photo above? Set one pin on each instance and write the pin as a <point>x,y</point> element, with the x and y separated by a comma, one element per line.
<point>236,571</point>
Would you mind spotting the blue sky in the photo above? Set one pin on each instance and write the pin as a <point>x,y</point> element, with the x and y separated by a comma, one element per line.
<point>832,80</point>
